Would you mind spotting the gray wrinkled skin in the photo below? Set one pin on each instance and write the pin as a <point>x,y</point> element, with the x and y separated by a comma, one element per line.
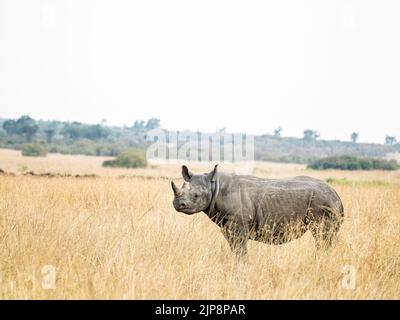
<point>273,211</point>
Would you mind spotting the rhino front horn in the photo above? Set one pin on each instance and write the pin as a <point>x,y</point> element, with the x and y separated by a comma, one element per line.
<point>175,188</point>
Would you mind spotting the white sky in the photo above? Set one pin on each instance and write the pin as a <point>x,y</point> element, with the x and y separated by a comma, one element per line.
<point>249,66</point>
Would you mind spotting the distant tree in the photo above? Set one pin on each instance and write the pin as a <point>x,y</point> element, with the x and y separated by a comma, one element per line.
<point>95,132</point>
<point>10,126</point>
<point>390,140</point>
<point>153,123</point>
<point>310,135</point>
<point>139,124</point>
<point>27,127</point>
<point>278,132</point>
<point>72,130</point>
<point>354,137</point>
<point>50,130</point>
<point>77,130</point>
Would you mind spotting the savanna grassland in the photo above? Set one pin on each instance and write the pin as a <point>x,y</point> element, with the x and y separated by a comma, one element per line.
<point>117,235</point>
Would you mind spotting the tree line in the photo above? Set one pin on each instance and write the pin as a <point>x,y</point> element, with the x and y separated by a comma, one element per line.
<point>74,137</point>
<point>102,140</point>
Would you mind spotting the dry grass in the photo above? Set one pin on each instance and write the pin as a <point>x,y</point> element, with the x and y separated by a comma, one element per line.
<point>120,238</point>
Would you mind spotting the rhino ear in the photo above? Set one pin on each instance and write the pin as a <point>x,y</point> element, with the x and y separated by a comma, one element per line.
<point>186,174</point>
<point>212,176</point>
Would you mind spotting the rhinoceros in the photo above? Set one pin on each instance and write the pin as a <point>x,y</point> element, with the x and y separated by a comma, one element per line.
<point>273,211</point>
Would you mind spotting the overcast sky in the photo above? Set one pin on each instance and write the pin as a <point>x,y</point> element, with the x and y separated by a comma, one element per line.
<point>250,66</point>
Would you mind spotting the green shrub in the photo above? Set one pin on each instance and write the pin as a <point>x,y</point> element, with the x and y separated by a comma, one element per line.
<point>132,158</point>
<point>353,163</point>
<point>34,150</point>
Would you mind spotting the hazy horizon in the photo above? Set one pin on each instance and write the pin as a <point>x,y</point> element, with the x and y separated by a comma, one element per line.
<point>250,67</point>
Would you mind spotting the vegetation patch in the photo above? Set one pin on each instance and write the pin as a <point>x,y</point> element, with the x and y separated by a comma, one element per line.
<point>359,183</point>
<point>353,163</point>
<point>34,150</point>
<point>133,158</point>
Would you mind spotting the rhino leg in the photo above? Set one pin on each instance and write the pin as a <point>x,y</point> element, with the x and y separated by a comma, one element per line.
<point>325,226</point>
<point>237,238</point>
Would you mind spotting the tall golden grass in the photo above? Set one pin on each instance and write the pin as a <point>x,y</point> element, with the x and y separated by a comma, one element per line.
<point>120,238</point>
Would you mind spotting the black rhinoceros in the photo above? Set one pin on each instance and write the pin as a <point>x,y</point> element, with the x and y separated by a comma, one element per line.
<point>272,211</point>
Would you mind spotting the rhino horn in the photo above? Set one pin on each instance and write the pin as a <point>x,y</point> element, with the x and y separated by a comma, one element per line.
<point>176,190</point>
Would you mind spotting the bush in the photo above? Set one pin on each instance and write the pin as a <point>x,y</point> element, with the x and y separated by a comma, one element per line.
<point>353,163</point>
<point>83,146</point>
<point>34,150</point>
<point>132,158</point>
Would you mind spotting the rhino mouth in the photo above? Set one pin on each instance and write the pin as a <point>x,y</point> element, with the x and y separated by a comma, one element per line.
<point>184,209</point>
<point>187,211</point>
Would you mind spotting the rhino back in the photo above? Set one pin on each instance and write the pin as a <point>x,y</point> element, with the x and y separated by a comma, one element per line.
<point>260,201</point>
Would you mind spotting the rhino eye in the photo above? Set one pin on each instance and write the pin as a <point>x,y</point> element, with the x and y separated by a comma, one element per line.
<point>196,195</point>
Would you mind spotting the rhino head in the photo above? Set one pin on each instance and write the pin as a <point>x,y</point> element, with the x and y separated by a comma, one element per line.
<point>196,193</point>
